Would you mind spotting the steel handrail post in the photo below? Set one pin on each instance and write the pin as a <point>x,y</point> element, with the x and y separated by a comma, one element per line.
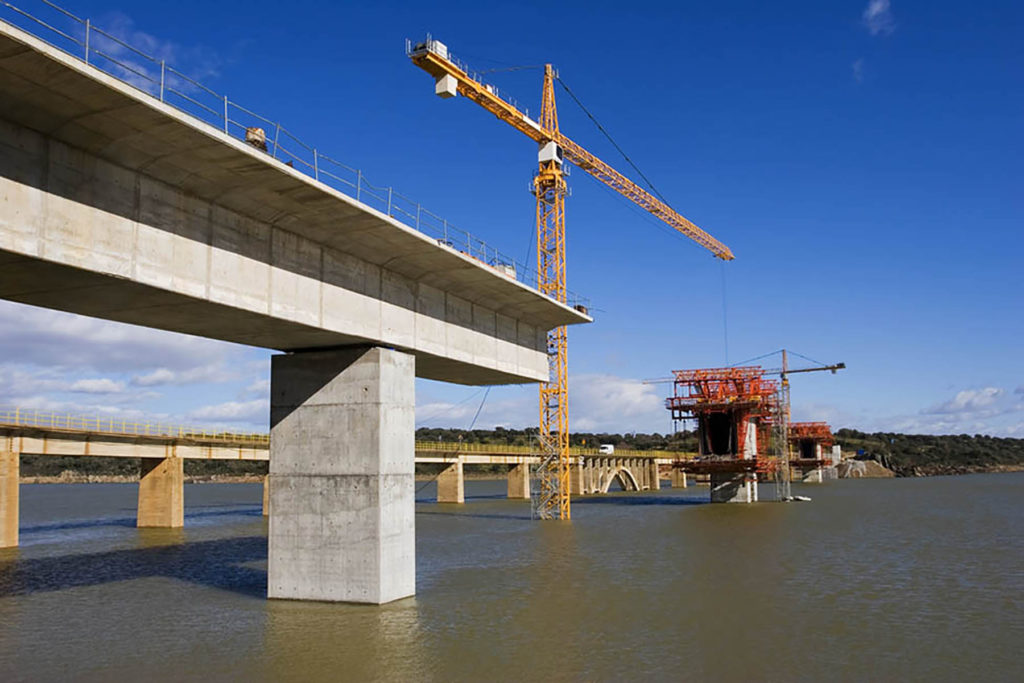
<point>225,113</point>
<point>359,182</point>
<point>316,165</point>
<point>163,71</point>
<point>87,25</point>
<point>277,135</point>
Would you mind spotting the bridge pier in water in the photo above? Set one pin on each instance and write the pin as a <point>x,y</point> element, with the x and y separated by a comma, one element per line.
<point>266,495</point>
<point>655,475</point>
<point>576,480</point>
<point>519,482</point>
<point>678,479</point>
<point>161,493</point>
<point>10,473</point>
<point>811,475</point>
<point>342,525</point>
<point>451,483</point>
<point>733,487</point>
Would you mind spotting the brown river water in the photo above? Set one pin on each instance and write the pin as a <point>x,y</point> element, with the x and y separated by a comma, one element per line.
<point>875,580</point>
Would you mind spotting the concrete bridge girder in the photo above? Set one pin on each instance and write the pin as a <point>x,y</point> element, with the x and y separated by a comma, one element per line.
<point>121,207</point>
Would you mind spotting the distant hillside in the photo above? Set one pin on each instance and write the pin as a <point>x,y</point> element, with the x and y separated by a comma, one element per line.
<point>911,455</point>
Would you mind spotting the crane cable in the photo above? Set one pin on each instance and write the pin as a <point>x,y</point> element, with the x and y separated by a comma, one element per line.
<point>610,139</point>
<point>471,425</point>
<point>604,131</point>
<point>725,316</point>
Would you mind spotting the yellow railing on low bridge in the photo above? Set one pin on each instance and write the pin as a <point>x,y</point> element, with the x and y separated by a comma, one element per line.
<point>21,417</point>
<point>38,419</point>
<point>510,449</point>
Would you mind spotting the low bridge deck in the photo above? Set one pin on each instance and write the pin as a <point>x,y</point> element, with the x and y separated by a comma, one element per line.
<point>31,432</point>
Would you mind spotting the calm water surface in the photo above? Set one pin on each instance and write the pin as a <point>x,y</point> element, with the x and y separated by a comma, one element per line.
<point>918,579</point>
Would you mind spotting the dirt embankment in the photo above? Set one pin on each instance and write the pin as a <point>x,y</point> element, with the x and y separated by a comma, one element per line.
<point>863,469</point>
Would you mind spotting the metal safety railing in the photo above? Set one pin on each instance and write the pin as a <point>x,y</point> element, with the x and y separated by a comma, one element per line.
<point>99,424</point>
<point>83,40</point>
<point>37,419</point>
<point>463,448</point>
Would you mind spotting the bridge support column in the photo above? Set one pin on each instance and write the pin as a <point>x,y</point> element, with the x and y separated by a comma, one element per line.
<point>678,479</point>
<point>655,478</point>
<point>812,476</point>
<point>342,525</point>
<point>161,493</point>
<point>266,495</point>
<point>451,484</point>
<point>519,482</point>
<point>730,487</point>
<point>639,468</point>
<point>576,480</point>
<point>10,481</point>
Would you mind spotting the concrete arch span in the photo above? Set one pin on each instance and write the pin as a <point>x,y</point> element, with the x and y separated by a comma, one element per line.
<point>626,479</point>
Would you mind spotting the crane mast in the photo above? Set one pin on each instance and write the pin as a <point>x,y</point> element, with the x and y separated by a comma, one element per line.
<point>550,189</point>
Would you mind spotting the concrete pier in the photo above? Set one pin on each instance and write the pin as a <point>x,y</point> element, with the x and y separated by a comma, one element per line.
<point>812,476</point>
<point>161,493</point>
<point>519,482</point>
<point>342,522</point>
<point>678,479</point>
<point>451,484</point>
<point>576,480</point>
<point>730,487</point>
<point>10,473</point>
<point>655,476</point>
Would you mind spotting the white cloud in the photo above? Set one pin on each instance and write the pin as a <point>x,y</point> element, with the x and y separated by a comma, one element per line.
<point>969,401</point>
<point>213,373</point>
<point>598,403</point>
<point>260,388</point>
<point>255,412</point>
<point>615,404</point>
<point>877,18</point>
<point>97,386</point>
<point>196,63</point>
<point>55,339</point>
<point>858,70</point>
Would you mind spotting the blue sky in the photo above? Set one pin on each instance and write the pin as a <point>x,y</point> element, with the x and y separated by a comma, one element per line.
<point>861,158</point>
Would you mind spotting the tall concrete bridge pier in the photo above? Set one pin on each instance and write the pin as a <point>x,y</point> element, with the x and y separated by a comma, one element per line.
<point>116,205</point>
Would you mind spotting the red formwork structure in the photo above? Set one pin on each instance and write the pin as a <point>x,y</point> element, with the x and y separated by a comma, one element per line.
<point>729,406</point>
<point>804,437</point>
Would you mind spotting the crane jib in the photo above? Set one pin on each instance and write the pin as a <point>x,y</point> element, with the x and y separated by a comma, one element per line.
<point>433,58</point>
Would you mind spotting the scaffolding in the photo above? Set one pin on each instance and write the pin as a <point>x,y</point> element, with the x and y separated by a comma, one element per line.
<point>734,408</point>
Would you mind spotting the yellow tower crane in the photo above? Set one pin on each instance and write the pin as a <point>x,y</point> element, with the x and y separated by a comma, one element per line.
<point>549,185</point>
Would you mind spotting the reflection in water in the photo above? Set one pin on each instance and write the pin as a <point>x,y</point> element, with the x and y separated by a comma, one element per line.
<point>885,580</point>
<point>343,642</point>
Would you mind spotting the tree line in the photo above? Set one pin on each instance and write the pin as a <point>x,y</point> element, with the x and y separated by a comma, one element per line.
<point>905,454</point>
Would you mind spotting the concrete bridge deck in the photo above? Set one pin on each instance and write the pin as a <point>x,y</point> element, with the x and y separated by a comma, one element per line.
<point>117,205</point>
